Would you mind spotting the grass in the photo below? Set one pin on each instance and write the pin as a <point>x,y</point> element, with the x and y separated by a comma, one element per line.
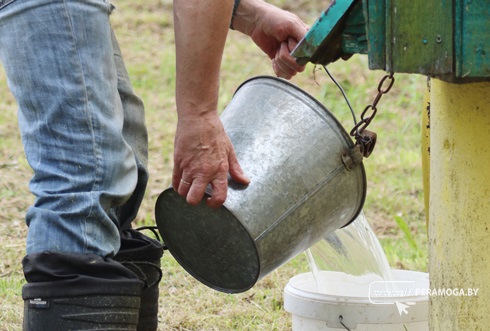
<point>395,196</point>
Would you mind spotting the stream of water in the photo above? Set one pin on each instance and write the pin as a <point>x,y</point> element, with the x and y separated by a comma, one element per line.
<point>354,250</point>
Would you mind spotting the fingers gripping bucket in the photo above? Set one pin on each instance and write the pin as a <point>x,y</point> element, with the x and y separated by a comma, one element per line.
<point>304,185</point>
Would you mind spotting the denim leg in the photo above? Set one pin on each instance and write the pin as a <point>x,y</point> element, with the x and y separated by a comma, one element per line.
<point>135,134</point>
<point>82,127</point>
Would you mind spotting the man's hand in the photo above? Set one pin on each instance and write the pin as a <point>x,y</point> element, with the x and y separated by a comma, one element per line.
<point>204,155</point>
<point>275,31</point>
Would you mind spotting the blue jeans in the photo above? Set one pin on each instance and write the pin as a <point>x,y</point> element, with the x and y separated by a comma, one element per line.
<point>82,127</point>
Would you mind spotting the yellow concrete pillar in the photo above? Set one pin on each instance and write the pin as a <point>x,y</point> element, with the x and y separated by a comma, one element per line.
<point>459,215</point>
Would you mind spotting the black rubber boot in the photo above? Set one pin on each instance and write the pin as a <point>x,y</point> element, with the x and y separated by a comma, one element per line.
<point>79,292</point>
<point>142,255</point>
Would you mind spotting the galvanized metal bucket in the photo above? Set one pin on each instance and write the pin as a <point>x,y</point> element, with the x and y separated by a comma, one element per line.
<point>305,183</point>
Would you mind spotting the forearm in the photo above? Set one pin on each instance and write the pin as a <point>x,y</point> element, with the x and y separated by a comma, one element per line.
<point>270,27</point>
<point>200,34</point>
<point>246,15</point>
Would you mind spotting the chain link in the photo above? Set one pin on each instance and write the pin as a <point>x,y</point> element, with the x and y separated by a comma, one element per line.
<point>365,139</point>
<point>366,120</point>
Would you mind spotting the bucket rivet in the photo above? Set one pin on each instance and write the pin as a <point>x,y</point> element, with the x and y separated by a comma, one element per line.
<point>352,158</point>
<point>347,161</point>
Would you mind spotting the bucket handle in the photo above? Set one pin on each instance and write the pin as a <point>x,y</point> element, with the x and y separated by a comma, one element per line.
<point>340,321</point>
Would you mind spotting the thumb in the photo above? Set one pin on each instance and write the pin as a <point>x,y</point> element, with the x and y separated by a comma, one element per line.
<point>292,43</point>
<point>236,171</point>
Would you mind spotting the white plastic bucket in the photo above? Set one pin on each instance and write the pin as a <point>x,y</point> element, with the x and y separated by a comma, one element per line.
<point>361,303</point>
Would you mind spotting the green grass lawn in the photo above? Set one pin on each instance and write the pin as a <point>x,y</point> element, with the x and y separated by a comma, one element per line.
<point>394,205</point>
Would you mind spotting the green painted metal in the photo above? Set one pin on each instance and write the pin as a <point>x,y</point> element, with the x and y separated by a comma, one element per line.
<point>472,38</point>
<point>354,38</point>
<point>322,43</point>
<point>375,13</point>
<point>421,37</point>
<point>446,39</point>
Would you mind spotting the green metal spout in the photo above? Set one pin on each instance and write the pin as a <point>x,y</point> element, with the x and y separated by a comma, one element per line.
<point>339,32</point>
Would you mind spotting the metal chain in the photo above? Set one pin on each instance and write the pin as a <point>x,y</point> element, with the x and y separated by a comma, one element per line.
<point>366,120</point>
<point>365,139</point>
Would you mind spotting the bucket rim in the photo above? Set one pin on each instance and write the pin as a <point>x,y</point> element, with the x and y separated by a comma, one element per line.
<point>307,94</point>
<point>294,289</point>
<point>327,309</point>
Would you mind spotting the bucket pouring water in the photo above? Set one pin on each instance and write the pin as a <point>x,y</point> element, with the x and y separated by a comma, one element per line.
<point>307,180</point>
